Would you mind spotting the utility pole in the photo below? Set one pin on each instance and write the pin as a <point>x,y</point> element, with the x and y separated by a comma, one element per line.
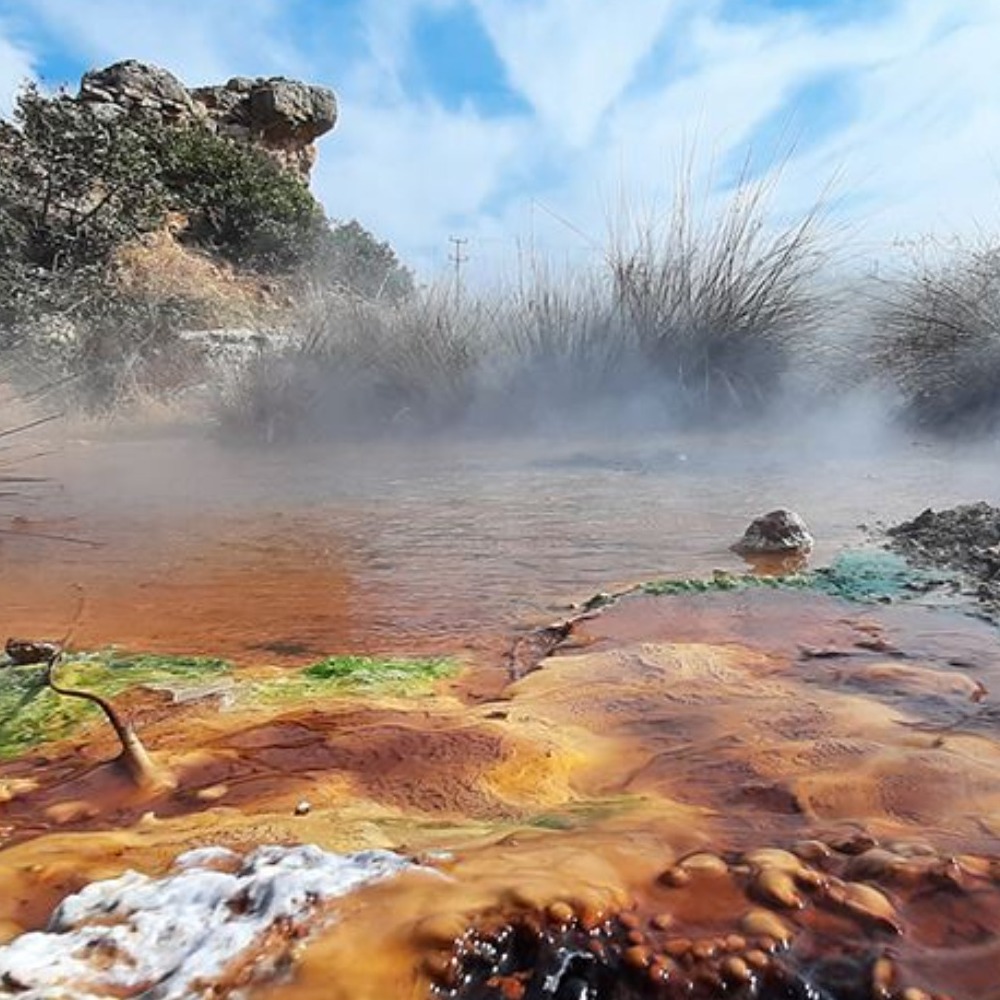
<point>458,259</point>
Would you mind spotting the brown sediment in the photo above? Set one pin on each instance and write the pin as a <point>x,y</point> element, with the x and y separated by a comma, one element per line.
<point>688,785</point>
<point>249,594</point>
<point>437,762</point>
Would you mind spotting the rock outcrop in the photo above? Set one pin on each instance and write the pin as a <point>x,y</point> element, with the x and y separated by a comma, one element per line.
<point>282,117</point>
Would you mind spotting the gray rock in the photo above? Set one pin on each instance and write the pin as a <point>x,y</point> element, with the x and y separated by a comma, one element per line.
<point>285,109</point>
<point>222,104</point>
<point>779,532</point>
<point>283,118</point>
<point>131,83</point>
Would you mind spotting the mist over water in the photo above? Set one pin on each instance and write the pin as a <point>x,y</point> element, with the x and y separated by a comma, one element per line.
<point>440,535</point>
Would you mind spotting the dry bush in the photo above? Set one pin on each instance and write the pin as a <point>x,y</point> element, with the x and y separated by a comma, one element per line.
<point>355,366</point>
<point>722,305</point>
<point>564,324</point>
<point>158,268</point>
<point>692,320</point>
<point>556,352</point>
<point>431,362</point>
<point>413,361</point>
<point>268,397</point>
<point>937,337</point>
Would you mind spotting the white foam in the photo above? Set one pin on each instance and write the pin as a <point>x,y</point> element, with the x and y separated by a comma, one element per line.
<point>173,937</point>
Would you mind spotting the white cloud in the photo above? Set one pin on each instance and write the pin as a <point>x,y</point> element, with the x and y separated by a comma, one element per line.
<point>16,67</point>
<point>200,42</point>
<point>918,148</point>
<point>414,173</point>
<point>387,29</point>
<point>572,59</point>
<point>923,149</point>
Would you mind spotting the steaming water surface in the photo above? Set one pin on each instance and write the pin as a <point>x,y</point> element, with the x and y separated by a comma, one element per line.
<point>419,544</point>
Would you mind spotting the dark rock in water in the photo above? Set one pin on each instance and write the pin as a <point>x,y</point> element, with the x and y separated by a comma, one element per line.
<point>780,531</point>
<point>966,537</point>
<point>25,652</point>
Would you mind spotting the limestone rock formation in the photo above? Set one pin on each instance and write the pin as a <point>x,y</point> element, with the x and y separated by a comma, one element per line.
<point>281,117</point>
<point>132,84</point>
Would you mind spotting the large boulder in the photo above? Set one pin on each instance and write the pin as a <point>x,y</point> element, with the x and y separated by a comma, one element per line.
<point>284,117</point>
<point>281,117</point>
<point>285,109</point>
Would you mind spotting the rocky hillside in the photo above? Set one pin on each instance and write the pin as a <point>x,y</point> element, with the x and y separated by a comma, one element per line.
<point>139,209</point>
<point>283,118</point>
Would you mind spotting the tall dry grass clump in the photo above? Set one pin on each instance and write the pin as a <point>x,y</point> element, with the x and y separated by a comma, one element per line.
<point>355,366</point>
<point>410,362</point>
<point>937,338</point>
<point>721,305</point>
<point>696,317</point>
<point>555,351</point>
<point>567,323</point>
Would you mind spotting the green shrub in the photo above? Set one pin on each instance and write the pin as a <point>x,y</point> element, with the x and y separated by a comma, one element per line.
<point>78,182</point>
<point>240,203</point>
<point>354,259</point>
<point>74,186</point>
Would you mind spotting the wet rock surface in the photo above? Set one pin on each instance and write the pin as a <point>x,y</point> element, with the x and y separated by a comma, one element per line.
<point>965,539</point>
<point>823,919</point>
<point>758,792</point>
<point>779,532</point>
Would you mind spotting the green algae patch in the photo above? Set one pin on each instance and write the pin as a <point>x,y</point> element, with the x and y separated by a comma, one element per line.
<point>862,576</point>
<point>722,582</point>
<point>367,671</point>
<point>352,675</point>
<point>870,575</point>
<point>585,814</point>
<point>31,713</point>
<point>111,673</point>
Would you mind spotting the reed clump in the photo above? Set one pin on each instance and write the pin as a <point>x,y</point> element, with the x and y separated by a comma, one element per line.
<point>722,305</point>
<point>937,338</point>
<point>689,319</point>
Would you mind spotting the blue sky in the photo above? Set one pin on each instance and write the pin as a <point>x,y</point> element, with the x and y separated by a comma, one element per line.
<point>540,126</point>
